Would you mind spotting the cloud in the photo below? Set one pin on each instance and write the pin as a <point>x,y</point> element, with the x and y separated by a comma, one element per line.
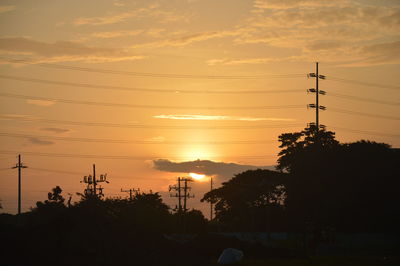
<point>220,117</point>
<point>207,167</point>
<point>62,51</point>
<point>260,60</point>
<point>152,11</point>
<point>119,4</point>
<point>37,141</point>
<point>332,31</point>
<point>11,116</point>
<point>378,54</point>
<point>56,130</point>
<point>40,102</point>
<point>4,9</point>
<point>188,39</point>
<point>156,139</point>
<point>285,4</point>
<point>115,34</point>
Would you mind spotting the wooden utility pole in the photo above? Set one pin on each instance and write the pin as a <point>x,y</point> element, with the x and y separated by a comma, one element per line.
<point>131,191</point>
<point>91,182</point>
<point>186,193</point>
<point>182,192</point>
<point>19,165</point>
<point>211,205</point>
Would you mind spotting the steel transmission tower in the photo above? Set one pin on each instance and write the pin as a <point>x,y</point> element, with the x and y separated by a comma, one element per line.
<point>317,92</point>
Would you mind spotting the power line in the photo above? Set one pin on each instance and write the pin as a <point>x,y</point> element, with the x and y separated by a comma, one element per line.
<point>367,132</point>
<point>357,98</point>
<point>81,173</point>
<point>370,84</point>
<point>118,157</point>
<point>135,89</point>
<point>127,105</point>
<point>149,74</point>
<point>343,111</point>
<point>104,124</point>
<point>18,135</point>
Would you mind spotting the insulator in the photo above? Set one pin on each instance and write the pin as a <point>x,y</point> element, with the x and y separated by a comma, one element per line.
<point>322,76</point>
<point>322,107</point>
<point>322,92</point>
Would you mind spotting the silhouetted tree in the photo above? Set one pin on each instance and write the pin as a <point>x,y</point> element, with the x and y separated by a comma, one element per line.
<point>336,184</point>
<point>249,200</point>
<point>54,200</point>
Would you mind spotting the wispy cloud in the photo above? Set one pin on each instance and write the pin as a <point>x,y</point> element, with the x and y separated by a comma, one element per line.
<point>56,130</point>
<point>38,141</point>
<point>62,51</point>
<point>286,4</point>
<point>156,139</point>
<point>188,39</point>
<point>40,102</point>
<point>332,31</point>
<point>4,9</point>
<point>220,117</point>
<point>115,34</point>
<point>151,11</point>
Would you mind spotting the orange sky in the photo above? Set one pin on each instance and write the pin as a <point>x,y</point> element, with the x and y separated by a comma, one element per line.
<point>183,80</point>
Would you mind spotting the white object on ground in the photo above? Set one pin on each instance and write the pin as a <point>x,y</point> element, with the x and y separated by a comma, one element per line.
<point>230,255</point>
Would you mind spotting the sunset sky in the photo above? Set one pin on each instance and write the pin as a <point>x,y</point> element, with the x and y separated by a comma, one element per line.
<point>146,87</point>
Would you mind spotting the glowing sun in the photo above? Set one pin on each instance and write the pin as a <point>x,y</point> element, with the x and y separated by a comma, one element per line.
<point>196,176</point>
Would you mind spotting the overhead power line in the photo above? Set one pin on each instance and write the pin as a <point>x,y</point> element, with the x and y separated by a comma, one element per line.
<point>248,142</point>
<point>363,99</point>
<point>118,157</point>
<point>358,131</point>
<point>364,83</point>
<point>135,89</point>
<point>104,124</point>
<point>82,173</point>
<point>127,105</point>
<point>343,111</point>
<point>149,74</point>
<point>56,171</point>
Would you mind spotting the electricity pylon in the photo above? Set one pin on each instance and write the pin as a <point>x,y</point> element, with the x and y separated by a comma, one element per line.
<point>317,92</point>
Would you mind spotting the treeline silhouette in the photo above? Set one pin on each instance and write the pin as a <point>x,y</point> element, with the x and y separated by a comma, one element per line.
<point>320,185</point>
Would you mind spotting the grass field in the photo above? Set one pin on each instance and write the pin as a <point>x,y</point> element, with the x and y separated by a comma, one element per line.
<point>324,261</point>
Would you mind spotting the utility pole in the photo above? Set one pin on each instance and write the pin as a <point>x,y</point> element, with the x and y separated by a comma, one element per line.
<point>186,193</point>
<point>317,92</point>
<point>211,205</point>
<point>178,194</point>
<point>19,165</point>
<point>131,191</point>
<point>182,192</point>
<point>91,182</point>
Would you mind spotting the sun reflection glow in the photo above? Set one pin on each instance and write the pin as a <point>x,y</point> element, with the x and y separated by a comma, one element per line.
<point>196,176</point>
